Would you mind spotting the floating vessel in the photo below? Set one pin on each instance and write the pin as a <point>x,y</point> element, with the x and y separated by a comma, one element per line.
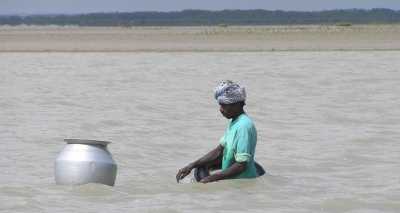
<point>85,161</point>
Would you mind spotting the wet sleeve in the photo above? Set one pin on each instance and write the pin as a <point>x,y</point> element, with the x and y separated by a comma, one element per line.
<point>243,145</point>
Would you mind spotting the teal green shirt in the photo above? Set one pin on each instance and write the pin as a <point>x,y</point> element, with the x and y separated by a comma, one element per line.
<point>239,142</point>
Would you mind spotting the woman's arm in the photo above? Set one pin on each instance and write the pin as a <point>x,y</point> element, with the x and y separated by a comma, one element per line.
<point>206,159</point>
<point>232,171</point>
<point>209,157</point>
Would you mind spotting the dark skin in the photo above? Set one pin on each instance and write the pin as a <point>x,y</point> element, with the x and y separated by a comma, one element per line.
<point>229,111</point>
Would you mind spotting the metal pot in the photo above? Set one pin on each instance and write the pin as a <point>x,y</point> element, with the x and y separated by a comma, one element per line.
<point>85,161</point>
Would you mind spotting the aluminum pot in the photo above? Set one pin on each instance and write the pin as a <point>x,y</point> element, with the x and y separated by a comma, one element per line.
<point>85,161</point>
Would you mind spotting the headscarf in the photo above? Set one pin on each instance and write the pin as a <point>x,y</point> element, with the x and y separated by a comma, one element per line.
<point>229,92</point>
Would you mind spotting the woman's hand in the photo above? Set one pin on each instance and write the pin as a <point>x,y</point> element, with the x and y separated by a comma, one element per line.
<point>182,173</point>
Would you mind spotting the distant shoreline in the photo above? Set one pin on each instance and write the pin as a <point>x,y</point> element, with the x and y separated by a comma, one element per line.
<point>194,17</point>
<point>200,38</point>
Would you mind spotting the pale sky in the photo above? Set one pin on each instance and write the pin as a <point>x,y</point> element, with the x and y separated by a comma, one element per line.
<point>88,6</point>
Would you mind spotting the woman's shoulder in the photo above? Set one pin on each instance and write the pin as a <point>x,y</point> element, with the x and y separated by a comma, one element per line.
<point>245,121</point>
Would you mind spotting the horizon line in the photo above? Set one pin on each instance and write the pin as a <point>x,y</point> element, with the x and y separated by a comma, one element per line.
<point>205,10</point>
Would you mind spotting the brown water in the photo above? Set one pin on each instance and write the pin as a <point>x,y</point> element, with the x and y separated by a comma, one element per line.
<point>328,125</point>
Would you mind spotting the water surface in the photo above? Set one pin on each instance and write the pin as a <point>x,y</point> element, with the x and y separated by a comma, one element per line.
<point>328,125</point>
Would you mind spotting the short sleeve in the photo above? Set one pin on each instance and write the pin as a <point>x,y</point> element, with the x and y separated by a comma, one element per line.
<point>243,145</point>
<point>222,141</point>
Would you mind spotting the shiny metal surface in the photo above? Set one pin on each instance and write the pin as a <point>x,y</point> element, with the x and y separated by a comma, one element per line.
<point>89,142</point>
<point>85,161</point>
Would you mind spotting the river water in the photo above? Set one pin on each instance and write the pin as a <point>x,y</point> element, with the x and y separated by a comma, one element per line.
<point>328,129</point>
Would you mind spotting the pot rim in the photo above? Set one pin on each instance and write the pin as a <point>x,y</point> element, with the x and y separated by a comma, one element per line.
<point>85,141</point>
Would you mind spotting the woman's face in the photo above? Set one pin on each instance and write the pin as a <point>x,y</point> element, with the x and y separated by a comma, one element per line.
<point>229,110</point>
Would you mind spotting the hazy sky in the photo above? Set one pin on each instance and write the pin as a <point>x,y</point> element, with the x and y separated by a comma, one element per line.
<point>86,6</point>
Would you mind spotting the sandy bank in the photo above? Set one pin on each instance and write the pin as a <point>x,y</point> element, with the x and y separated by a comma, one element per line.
<point>231,38</point>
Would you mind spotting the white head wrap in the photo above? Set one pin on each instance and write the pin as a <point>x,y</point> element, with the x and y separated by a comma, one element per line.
<point>229,92</point>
